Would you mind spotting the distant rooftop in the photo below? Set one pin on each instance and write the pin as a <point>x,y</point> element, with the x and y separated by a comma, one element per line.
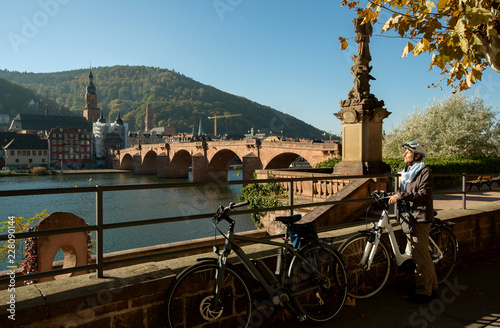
<point>27,141</point>
<point>48,122</point>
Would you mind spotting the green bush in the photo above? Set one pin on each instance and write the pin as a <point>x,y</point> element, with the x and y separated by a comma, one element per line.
<point>15,225</point>
<point>331,162</point>
<point>263,196</point>
<point>452,165</point>
<point>39,171</point>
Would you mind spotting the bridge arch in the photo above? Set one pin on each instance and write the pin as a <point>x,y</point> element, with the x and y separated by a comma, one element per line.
<point>219,164</point>
<point>282,161</point>
<point>179,165</point>
<point>127,162</point>
<point>149,163</point>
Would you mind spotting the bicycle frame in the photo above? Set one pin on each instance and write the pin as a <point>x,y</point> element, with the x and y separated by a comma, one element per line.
<point>376,231</point>
<point>231,245</point>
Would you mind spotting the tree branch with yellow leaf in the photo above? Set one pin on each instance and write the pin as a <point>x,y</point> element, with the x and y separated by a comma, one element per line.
<point>461,35</point>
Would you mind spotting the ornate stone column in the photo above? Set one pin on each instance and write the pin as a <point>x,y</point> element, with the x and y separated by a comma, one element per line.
<point>361,115</point>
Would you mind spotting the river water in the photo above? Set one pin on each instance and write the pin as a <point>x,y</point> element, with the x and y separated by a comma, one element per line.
<point>123,206</point>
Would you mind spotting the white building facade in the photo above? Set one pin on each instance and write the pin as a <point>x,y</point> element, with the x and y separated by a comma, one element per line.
<point>109,136</point>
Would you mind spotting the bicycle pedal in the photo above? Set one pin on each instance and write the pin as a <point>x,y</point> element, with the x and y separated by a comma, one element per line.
<point>301,317</point>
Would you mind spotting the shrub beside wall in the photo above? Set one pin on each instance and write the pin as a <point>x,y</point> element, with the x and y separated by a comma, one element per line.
<point>452,165</point>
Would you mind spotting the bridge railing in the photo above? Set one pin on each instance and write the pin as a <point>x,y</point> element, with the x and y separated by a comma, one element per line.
<point>99,227</point>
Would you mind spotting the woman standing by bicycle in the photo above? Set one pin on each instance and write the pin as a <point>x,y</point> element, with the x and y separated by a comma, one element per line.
<point>416,189</point>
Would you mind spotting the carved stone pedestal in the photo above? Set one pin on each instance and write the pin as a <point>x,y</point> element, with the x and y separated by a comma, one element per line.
<point>362,140</point>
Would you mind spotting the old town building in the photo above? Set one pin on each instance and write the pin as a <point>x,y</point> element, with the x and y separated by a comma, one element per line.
<point>26,150</point>
<point>70,147</point>
<point>5,138</point>
<point>109,137</point>
<point>43,123</point>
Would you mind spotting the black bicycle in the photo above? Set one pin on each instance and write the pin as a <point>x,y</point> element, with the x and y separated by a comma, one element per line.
<point>310,281</point>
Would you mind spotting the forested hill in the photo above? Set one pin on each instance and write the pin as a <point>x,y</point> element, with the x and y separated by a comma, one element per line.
<point>176,100</point>
<point>15,99</point>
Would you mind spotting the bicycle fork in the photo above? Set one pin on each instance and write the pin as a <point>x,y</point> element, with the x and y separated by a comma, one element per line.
<point>219,276</point>
<point>370,250</point>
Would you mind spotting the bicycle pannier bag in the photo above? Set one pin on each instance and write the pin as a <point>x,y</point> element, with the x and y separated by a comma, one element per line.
<point>302,234</point>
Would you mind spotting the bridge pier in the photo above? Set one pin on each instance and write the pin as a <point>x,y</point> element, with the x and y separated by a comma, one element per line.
<point>251,163</point>
<point>137,164</point>
<point>199,167</point>
<point>162,166</point>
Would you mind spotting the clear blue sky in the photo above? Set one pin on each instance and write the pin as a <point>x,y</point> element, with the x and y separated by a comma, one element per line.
<point>283,54</point>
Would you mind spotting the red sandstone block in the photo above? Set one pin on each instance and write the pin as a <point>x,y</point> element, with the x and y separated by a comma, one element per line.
<point>155,315</point>
<point>464,235</point>
<point>485,232</point>
<point>132,319</point>
<point>485,221</point>
<point>111,307</point>
<point>148,299</point>
<point>100,323</point>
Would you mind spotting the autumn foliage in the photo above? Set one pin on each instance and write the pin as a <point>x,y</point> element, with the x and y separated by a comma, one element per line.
<point>461,35</point>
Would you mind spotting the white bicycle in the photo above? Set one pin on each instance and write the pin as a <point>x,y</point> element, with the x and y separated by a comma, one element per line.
<point>368,259</point>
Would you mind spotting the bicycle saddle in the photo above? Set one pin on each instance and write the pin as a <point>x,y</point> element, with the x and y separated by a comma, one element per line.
<point>289,219</point>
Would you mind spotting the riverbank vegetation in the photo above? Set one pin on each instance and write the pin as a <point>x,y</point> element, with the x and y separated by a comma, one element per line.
<point>30,172</point>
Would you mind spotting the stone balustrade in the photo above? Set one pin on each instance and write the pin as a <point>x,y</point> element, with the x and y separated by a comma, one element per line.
<point>316,190</point>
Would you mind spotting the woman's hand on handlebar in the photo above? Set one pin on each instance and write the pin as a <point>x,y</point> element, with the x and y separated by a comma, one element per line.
<point>382,195</point>
<point>394,199</point>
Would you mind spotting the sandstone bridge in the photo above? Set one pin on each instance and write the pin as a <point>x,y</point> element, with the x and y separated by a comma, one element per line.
<point>210,160</point>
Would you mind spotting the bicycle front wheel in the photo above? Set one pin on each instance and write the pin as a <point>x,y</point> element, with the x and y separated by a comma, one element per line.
<point>189,299</point>
<point>447,243</point>
<point>362,283</point>
<point>318,298</point>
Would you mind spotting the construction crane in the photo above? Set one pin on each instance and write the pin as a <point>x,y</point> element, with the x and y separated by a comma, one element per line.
<point>220,116</point>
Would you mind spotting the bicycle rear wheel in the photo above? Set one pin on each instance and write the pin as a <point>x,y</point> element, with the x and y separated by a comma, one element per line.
<point>188,302</point>
<point>362,283</point>
<point>319,300</point>
<point>447,243</point>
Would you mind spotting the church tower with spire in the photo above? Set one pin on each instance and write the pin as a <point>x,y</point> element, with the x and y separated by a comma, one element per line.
<point>90,111</point>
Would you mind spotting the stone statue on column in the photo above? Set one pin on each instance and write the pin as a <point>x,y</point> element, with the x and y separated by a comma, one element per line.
<point>360,93</point>
<point>361,113</point>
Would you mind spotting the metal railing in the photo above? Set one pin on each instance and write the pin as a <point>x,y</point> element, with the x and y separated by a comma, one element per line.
<point>100,226</point>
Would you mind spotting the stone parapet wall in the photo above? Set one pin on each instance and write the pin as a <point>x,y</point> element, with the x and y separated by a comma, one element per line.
<point>316,190</point>
<point>134,296</point>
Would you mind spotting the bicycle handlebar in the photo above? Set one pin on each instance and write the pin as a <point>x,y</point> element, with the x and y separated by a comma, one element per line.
<point>223,210</point>
<point>380,194</point>
<point>233,206</point>
<point>381,197</point>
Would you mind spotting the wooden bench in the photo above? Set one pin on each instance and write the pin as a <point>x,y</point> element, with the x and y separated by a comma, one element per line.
<point>479,181</point>
<point>495,179</point>
<point>486,180</point>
